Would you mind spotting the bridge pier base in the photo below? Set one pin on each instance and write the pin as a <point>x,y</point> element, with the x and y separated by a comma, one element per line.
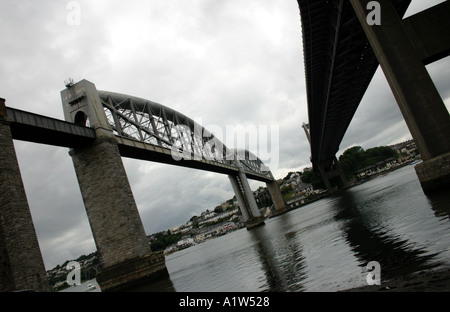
<point>119,235</point>
<point>247,203</point>
<point>327,175</point>
<point>277,198</point>
<point>254,222</point>
<point>434,174</point>
<point>133,272</point>
<point>324,176</point>
<point>340,172</point>
<point>21,263</point>
<point>125,254</point>
<point>399,46</point>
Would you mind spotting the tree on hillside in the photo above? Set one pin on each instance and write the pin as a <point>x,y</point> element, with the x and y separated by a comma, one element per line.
<point>163,240</point>
<point>356,158</point>
<point>351,160</point>
<point>314,179</point>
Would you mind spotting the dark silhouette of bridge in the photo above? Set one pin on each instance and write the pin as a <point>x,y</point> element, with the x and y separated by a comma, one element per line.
<point>342,51</point>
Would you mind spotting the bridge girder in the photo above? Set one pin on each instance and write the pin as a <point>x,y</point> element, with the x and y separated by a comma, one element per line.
<point>151,131</point>
<point>339,66</point>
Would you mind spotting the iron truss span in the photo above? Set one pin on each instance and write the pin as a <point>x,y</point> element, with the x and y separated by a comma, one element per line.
<point>339,65</point>
<point>149,130</point>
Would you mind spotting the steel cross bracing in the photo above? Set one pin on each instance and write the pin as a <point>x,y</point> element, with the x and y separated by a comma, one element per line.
<point>339,65</point>
<point>152,123</point>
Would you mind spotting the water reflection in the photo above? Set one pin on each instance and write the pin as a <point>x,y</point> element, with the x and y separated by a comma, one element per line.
<point>163,284</point>
<point>324,246</point>
<point>440,203</point>
<point>281,257</point>
<point>370,242</point>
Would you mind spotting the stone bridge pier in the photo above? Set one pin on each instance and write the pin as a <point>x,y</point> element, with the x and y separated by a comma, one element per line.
<point>21,263</point>
<point>277,198</point>
<point>403,48</point>
<point>120,238</point>
<point>247,203</point>
<point>334,171</point>
<point>246,200</point>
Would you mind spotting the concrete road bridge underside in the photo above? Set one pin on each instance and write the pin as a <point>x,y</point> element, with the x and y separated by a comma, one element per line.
<point>344,42</point>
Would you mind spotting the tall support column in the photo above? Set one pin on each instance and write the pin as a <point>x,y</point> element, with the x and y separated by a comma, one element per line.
<point>253,206</point>
<point>324,177</point>
<point>21,263</point>
<point>118,231</point>
<point>277,197</point>
<point>240,198</point>
<point>247,203</point>
<point>337,171</point>
<point>420,103</point>
<point>341,172</point>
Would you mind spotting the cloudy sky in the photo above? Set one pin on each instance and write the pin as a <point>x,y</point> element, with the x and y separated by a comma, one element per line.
<point>226,63</point>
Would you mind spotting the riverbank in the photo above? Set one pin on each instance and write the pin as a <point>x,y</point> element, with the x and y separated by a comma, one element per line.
<point>301,202</point>
<point>425,281</point>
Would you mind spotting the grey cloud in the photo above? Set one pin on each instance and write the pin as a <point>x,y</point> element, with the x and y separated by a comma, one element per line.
<point>225,62</point>
<point>55,202</point>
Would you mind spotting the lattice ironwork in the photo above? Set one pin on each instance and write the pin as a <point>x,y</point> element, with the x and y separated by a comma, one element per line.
<point>152,123</point>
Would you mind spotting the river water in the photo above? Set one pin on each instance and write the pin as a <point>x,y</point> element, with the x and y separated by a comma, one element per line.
<point>326,245</point>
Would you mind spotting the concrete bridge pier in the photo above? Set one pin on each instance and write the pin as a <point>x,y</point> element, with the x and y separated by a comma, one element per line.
<point>21,263</point>
<point>336,171</point>
<point>340,172</point>
<point>327,175</point>
<point>246,201</point>
<point>403,47</point>
<point>277,198</point>
<point>324,176</point>
<point>125,254</point>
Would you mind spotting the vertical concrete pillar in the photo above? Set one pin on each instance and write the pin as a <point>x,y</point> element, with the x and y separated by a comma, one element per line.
<point>118,231</point>
<point>340,172</point>
<point>337,171</point>
<point>324,177</point>
<point>420,103</point>
<point>240,198</point>
<point>109,202</point>
<point>248,193</point>
<point>21,263</point>
<point>246,200</point>
<point>277,197</point>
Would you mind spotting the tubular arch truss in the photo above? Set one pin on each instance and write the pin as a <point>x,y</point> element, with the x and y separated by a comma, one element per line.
<point>152,123</point>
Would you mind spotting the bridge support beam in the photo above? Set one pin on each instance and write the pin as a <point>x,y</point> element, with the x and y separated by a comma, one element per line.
<point>239,197</point>
<point>125,254</point>
<point>247,203</point>
<point>398,47</point>
<point>324,176</point>
<point>119,235</point>
<point>327,175</point>
<point>340,172</point>
<point>277,198</point>
<point>21,263</point>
